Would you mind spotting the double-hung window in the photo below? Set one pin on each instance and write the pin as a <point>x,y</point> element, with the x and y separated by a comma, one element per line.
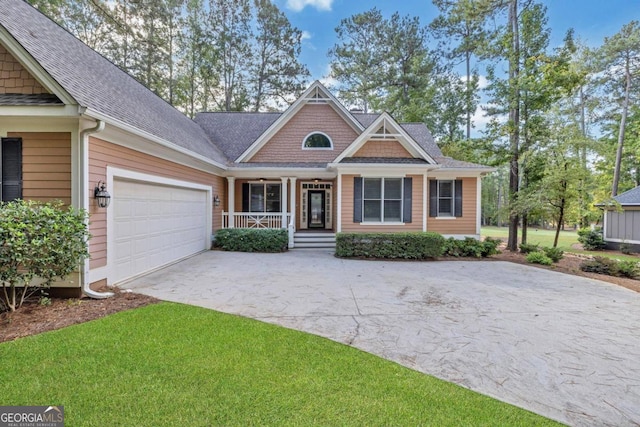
<point>262,197</point>
<point>379,200</point>
<point>10,169</point>
<point>445,198</point>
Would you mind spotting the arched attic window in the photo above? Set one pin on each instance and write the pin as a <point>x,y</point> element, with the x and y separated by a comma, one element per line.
<point>317,141</point>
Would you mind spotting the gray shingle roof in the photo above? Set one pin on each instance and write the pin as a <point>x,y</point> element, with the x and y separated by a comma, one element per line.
<point>96,83</point>
<point>234,132</point>
<point>631,197</point>
<point>448,162</point>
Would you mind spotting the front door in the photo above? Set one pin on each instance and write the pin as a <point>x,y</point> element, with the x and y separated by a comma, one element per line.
<point>316,209</point>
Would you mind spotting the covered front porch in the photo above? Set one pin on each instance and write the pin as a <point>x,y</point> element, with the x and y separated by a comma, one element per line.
<point>303,206</point>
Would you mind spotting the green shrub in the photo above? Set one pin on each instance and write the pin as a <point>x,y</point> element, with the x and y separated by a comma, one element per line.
<point>38,240</point>
<point>600,265</point>
<point>470,247</point>
<point>252,239</point>
<point>538,258</point>
<point>390,245</point>
<point>628,268</point>
<point>608,266</point>
<point>625,248</point>
<point>527,248</point>
<point>555,254</point>
<point>591,240</point>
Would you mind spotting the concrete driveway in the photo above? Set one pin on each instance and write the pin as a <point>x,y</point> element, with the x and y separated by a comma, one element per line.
<point>559,345</point>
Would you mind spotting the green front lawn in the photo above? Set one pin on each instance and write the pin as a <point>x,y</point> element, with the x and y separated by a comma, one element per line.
<point>175,365</point>
<point>545,238</point>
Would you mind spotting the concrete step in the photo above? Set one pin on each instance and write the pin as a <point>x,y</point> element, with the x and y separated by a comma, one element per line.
<point>314,240</point>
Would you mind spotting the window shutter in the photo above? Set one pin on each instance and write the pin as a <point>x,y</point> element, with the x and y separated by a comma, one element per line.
<point>406,208</point>
<point>433,197</point>
<point>245,197</point>
<point>458,201</point>
<point>357,199</point>
<point>11,169</point>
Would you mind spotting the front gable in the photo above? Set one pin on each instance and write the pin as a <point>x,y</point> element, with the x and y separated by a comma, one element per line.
<point>286,145</point>
<point>317,110</point>
<point>23,81</point>
<point>385,138</point>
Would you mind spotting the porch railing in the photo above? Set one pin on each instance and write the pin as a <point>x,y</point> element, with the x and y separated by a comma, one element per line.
<point>254,220</point>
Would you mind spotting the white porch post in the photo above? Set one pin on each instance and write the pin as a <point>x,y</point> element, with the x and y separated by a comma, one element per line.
<point>292,203</point>
<point>283,204</point>
<point>231,197</point>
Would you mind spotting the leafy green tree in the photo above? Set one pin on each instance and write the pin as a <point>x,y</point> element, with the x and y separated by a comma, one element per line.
<point>357,61</point>
<point>276,73</point>
<point>620,61</point>
<point>463,22</point>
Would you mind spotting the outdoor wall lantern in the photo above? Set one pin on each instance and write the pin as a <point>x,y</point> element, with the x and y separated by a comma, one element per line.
<point>101,195</point>
<point>216,201</point>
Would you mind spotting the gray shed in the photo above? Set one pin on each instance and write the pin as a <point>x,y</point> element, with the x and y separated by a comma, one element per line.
<point>623,225</point>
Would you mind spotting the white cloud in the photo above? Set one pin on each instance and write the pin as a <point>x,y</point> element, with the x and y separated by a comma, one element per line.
<point>482,81</point>
<point>298,5</point>
<point>306,35</point>
<point>328,80</point>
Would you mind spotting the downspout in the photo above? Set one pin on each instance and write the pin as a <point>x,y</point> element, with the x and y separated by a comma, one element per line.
<point>84,191</point>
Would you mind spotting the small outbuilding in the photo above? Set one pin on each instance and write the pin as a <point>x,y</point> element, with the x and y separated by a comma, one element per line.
<point>622,220</point>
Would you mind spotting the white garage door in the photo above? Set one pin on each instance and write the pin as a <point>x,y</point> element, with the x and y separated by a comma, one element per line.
<point>155,225</point>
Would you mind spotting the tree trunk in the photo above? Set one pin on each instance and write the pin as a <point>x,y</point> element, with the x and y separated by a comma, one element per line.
<point>623,121</point>
<point>584,219</point>
<point>514,118</point>
<point>525,226</point>
<point>468,94</point>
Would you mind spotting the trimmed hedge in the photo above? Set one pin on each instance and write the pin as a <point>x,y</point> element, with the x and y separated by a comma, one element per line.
<point>252,239</point>
<point>470,247</point>
<point>390,245</point>
<point>611,267</point>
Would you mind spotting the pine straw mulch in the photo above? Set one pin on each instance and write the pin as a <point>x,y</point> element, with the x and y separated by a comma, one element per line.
<point>34,318</point>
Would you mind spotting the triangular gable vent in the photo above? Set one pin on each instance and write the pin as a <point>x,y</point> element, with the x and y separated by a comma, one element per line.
<point>385,132</point>
<point>317,97</point>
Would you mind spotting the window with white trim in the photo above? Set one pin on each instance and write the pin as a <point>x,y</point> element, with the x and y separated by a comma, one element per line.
<point>382,199</point>
<point>317,141</point>
<point>10,169</point>
<point>264,197</point>
<point>445,198</point>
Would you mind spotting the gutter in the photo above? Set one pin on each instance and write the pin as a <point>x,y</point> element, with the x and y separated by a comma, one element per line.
<point>84,180</point>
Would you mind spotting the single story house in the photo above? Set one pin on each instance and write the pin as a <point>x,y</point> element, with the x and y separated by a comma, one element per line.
<point>622,221</point>
<point>72,122</point>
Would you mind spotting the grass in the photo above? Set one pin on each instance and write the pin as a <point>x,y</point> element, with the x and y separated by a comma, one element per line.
<point>542,237</point>
<point>170,364</point>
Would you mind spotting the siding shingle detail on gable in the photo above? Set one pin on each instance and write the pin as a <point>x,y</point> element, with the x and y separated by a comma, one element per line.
<point>382,149</point>
<point>14,78</point>
<point>286,145</point>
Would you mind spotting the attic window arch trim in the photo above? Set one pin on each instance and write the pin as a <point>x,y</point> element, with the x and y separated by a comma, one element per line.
<point>326,138</point>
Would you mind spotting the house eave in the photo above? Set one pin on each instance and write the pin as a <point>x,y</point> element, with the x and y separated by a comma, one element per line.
<point>198,161</point>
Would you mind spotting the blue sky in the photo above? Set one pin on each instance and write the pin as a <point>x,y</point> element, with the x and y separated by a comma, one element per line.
<point>591,19</point>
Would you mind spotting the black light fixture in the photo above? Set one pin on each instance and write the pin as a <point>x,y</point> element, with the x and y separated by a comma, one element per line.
<point>216,201</point>
<point>101,195</point>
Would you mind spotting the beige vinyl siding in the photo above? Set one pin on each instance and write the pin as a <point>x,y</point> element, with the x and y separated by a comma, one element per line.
<point>46,165</point>
<point>348,226</point>
<point>382,149</point>
<point>103,154</point>
<point>286,144</point>
<point>464,225</point>
<point>14,78</point>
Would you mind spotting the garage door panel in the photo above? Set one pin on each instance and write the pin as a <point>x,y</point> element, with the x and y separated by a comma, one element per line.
<point>156,225</point>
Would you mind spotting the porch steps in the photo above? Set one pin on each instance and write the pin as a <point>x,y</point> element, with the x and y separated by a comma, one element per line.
<point>310,240</point>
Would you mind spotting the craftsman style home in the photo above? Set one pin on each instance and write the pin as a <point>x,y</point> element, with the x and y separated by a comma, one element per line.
<point>74,127</point>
